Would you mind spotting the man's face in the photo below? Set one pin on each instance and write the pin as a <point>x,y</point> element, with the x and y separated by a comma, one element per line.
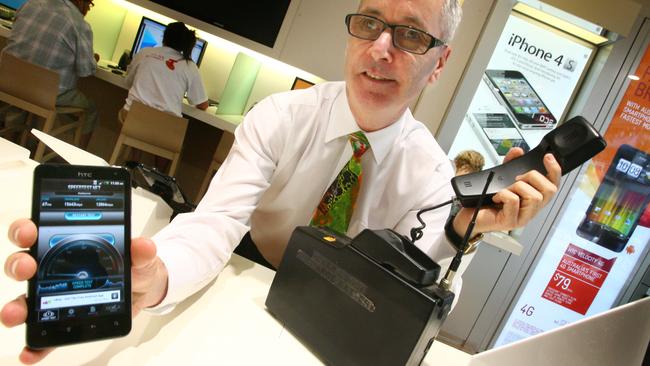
<point>384,79</point>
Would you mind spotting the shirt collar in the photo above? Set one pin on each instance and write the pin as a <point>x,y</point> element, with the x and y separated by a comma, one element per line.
<point>342,123</point>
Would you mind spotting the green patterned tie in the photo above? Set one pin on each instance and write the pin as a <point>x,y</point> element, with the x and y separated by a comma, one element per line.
<point>336,207</point>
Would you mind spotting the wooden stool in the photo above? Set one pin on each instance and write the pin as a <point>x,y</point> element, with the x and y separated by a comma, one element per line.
<point>34,89</point>
<point>154,131</point>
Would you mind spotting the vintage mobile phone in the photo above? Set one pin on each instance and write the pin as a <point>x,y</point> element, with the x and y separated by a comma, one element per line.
<point>500,132</point>
<point>82,287</point>
<point>572,143</point>
<point>620,200</point>
<point>518,96</point>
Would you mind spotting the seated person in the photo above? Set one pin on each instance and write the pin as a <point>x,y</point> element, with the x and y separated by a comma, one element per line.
<point>50,46</point>
<point>159,77</point>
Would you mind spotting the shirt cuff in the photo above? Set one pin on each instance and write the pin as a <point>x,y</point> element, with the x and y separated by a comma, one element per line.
<point>181,282</point>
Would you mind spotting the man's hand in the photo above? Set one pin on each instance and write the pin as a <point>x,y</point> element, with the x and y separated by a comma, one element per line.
<point>517,204</point>
<point>148,279</point>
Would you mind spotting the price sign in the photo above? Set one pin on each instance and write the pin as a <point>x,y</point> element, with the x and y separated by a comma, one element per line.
<point>577,279</point>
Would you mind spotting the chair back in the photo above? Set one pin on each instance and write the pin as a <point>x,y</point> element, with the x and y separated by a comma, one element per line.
<point>28,82</point>
<point>155,127</point>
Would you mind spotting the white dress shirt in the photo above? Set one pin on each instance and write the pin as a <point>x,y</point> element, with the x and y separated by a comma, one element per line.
<point>286,153</point>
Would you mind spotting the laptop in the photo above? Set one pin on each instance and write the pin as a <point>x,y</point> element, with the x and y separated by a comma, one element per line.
<point>619,336</point>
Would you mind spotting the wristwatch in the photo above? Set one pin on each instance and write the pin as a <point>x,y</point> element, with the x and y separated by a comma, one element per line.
<point>455,239</point>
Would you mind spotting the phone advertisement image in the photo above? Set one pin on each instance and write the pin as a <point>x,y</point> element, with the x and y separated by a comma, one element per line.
<point>535,71</point>
<point>520,98</point>
<point>620,200</point>
<point>500,132</point>
<point>81,290</point>
<point>532,76</point>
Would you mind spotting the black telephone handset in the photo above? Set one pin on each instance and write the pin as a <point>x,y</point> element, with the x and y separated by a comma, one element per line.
<point>572,143</point>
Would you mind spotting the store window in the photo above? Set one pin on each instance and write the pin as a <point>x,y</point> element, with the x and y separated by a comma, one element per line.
<point>540,72</point>
<point>600,240</point>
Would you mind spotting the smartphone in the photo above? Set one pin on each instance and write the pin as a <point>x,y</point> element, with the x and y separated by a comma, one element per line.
<point>500,132</point>
<point>620,200</point>
<point>82,288</point>
<point>518,96</point>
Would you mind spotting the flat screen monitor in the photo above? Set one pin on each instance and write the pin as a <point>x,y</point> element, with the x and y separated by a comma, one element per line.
<point>12,4</point>
<point>150,34</point>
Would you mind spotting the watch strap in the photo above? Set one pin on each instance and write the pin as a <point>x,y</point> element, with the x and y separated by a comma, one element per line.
<point>456,240</point>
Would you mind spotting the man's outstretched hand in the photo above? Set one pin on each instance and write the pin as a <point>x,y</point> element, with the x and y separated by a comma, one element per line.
<point>148,279</point>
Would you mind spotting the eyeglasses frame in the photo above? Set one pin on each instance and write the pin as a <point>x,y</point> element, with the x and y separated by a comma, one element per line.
<point>435,42</point>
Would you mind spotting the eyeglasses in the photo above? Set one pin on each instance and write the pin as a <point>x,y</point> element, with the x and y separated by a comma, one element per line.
<point>90,3</point>
<point>404,37</point>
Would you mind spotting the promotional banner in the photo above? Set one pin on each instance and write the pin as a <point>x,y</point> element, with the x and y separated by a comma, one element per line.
<point>525,90</point>
<point>604,231</point>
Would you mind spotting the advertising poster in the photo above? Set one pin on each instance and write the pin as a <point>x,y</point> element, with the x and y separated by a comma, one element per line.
<point>525,90</point>
<point>603,232</point>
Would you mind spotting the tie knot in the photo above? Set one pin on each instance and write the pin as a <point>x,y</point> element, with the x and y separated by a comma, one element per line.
<point>359,143</point>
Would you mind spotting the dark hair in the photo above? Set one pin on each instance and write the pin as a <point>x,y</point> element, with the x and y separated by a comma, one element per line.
<point>178,37</point>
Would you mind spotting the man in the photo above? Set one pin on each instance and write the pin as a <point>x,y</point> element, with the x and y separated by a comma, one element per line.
<point>54,34</point>
<point>290,148</point>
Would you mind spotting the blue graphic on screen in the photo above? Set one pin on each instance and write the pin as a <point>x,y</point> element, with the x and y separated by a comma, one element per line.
<point>149,39</point>
<point>150,34</point>
<point>14,4</point>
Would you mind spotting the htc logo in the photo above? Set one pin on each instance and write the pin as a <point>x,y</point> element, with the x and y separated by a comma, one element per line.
<point>84,175</point>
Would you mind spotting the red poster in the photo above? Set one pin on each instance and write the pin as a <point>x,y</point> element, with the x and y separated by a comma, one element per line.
<point>631,122</point>
<point>577,279</point>
<point>630,125</point>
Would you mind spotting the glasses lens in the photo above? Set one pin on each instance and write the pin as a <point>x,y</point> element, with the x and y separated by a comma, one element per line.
<point>412,40</point>
<point>365,27</point>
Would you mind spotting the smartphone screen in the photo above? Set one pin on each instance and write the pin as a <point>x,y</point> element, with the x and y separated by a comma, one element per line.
<point>81,290</point>
<point>500,131</point>
<point>620,200</point>
<point>520,98</point>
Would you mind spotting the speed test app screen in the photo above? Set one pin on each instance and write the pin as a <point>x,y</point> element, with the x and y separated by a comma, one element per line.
<point>80,249</point>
